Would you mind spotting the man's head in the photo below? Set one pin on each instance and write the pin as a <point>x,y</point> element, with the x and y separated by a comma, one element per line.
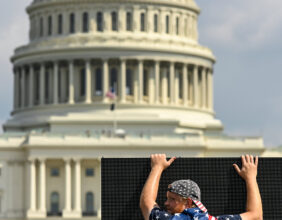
<point>181,194</point>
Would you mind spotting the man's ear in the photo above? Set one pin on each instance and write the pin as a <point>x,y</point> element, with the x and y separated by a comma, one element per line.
<point>189,203</point>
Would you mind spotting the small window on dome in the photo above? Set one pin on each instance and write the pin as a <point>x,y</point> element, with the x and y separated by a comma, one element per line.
<point>100,20</point>
<point>50,25</point>
<point>85,24</point>
<point>98,82</point>
<point>177,26</point>
<point>142,22</point>
<point>129,21</point>
<point>156,23</point>
<point>167,24</point>
<point>60,24</point>
<point>41,27</point>
<point>82,82</point>
<point>114,21</point>
<point>72,23</point>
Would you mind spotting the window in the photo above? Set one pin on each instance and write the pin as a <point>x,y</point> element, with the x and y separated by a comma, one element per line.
<point>113,80</point>
<point>54,203</point>
<point>142,22</point>
<point>0,171</point>
<point>60,24</point>
<point>129,21</point>
<point>100,21</point>
<point>82,82</point>
<point>89,172</point>
<point>55,171</point>
<point>167,24</point>
<point>114,21</point>
<point>72,23</point>
<point>156,23</point>
<point>47,83</point>
<point>41,27</point>
<point>98,82</point>
<point>36,87</point>
<point>177,26</point>
<point>50,26</point>
<point>89,205</point>
<point>129,80</point>
<point>85,24</point>
<point>145,83</point>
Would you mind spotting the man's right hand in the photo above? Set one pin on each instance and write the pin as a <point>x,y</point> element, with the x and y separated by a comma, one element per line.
<point>159,161</point>
<point>249,168</point>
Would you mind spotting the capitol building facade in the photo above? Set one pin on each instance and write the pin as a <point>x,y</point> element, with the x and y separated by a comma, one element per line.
<point>105,78</point>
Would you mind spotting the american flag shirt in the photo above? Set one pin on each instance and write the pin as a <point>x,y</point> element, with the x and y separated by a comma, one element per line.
<point>189,214</point>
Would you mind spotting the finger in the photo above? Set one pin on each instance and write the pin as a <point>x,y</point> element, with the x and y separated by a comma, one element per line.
<point>251,158</point>
<point>256,161</point>
<point>243,160</point>
<point>237,168</point>
<point>171,160</point>
<point>247,158</point>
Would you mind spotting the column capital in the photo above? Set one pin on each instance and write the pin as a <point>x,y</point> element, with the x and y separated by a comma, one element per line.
<point>42,159</point>
<point>67,159</point>
<point>76,159</point>
<point>31,159</point>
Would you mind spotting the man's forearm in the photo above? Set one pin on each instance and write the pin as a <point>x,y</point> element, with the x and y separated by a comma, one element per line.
<point>150,191</point>
<point>254,204</point>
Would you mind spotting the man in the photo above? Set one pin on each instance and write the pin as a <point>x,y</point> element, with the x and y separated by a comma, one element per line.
<point>183,196</point>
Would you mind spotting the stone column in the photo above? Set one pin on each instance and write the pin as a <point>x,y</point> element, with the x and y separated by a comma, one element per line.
<point>42,186</point>
<point>71,82</point>
<point>203,87</point>
<point>33,190</point>
<point>122,81</point>
<point>171,81</point>
<point>23,75</point>
<point>105,79</point>
<point>92,22</point>
<point>77,203</point>
<point>78,22</point>
<point>88,77</point>
<point>65,22</point>
<point>30,91</point>
<point>210,89</point>
<point>68,197</point>
<point>55,83</point>
<point>195,86</point>
<point>151,85</point>
<point>164,85</point>
<point>157,82</point>
<point>42,84</point>
<point>140,80</point>
<point>185,92</point>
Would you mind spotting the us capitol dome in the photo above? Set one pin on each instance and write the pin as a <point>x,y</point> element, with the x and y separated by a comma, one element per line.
<point>105,78</point>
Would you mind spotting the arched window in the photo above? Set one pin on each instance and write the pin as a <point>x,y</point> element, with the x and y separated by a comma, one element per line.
<point>100,20</point>
<point>129,21</point>
<point>177,26</point>
<point>142,22</point>
<point>50,25</point>
<point>167,24</point>
<point>41,27</point>
<point>114,21</point>
<point>72,23</point>
<point>85,24</point>
<point>55,203</point>
<point>145,83</point>
<point>60,24</point>
<point>156,23</point>
<point>82,82</point>
<point>89,203</point>
<point>98,82</point>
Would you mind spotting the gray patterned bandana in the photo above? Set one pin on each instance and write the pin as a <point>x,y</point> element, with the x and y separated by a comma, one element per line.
<point>186,188</point>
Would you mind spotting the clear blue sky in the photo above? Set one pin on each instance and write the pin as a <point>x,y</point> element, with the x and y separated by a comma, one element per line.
<point>245,37</point>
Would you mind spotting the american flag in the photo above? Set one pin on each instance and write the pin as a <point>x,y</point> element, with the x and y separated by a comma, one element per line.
<point>111,94</point>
